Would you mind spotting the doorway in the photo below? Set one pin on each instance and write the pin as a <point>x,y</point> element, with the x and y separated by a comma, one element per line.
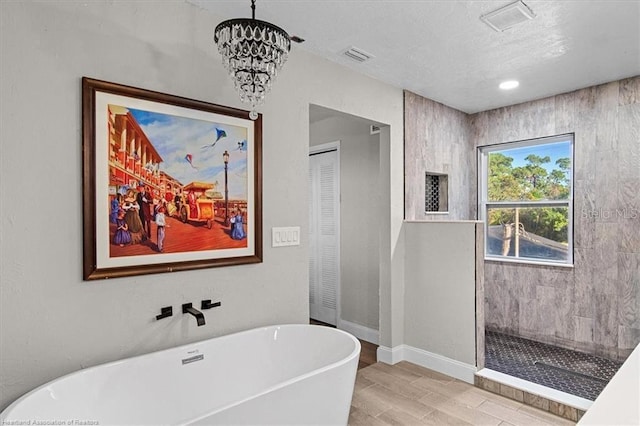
<point>360,219</point>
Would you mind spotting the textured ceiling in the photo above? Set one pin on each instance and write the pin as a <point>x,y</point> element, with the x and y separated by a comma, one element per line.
<point>443,51</point>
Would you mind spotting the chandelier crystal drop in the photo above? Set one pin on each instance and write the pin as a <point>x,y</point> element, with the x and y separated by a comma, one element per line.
<point>253,52</point>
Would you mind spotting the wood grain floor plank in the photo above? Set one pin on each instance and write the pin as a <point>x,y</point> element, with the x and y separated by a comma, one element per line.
<point>362,382</point>
<point>368,353</point>
<point>393,383</point>
<point>450,388</point>
<point>498,399</point>
<point>470,398</point>
<point>545,416</point>
<point>423,372</point>
<point>511,415</point>
<point>403,374</point>
<point>358,417</point>
<point>397,401</point>
<point>370,403</point>
<point>399,418</point>
<point>379,399</point>
<point>468,414</point>
<point>438,418</point>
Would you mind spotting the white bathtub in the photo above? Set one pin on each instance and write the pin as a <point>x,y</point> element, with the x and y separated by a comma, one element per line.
<point>288,374</point>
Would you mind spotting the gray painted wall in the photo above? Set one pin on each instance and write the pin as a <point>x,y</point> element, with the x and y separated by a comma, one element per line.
<point>594,306</point>
<point>53,323</point>
<point>440,288</point>
<point>359,214</point>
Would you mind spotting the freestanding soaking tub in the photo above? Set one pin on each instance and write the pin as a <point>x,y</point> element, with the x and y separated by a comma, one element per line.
<point>278,375</point>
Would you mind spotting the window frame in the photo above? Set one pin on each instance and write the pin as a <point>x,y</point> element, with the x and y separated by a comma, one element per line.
<point>484,205</point>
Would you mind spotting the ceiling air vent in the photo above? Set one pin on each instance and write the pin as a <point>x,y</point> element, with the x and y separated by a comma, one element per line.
<point>508,16</point>
<point>357,54</point>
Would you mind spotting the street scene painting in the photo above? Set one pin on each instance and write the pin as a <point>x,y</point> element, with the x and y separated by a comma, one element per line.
<point>176,183</point>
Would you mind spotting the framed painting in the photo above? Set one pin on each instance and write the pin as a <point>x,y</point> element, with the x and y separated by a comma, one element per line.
<point>169,183</point>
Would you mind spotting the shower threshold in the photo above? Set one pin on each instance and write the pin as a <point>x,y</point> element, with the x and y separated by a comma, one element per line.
<point>544,398</point>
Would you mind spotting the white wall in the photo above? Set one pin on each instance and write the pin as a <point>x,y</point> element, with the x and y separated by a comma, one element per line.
<point>360,206</point>
<point>51,322</point>
<point>618,402</point>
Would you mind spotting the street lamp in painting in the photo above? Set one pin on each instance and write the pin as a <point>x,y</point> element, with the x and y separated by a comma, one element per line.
<point>225,158</point>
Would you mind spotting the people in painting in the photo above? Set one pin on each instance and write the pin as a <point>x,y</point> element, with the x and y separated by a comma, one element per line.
<point>145,202</point>
<point>167,202</point>
<point>115,207</point>
<point>131,210</point>
<point>161,223</point>
<point>122,235</point>
<point>155,205</point>
<point>170,209</point>
<point>193,206</point>
<point>177,200</point>
<point>237,226</point>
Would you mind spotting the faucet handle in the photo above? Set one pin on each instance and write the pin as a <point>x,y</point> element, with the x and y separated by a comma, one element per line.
<point>165,312</point>
<point>206,304</point>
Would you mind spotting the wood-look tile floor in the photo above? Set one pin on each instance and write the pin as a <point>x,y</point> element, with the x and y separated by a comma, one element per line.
<point>407,394</point>
<point>368,354</point>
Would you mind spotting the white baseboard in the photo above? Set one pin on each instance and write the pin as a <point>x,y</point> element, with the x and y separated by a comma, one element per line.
<point>390,355</point>
<point>360,331</point>
<point>435,362</point>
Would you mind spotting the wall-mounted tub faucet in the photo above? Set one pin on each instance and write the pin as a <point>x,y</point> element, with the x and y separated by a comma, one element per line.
<point>187,308</point>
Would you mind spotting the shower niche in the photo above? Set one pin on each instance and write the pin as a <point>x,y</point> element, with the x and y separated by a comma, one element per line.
<point>436,197</point>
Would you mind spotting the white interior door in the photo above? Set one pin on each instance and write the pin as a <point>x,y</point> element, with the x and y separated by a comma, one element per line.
<point>324,233</point>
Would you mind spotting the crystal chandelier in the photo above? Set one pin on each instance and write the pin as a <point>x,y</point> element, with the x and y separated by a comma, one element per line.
<point>253,52</point>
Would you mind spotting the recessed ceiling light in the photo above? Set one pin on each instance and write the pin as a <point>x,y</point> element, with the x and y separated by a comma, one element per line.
<point>508,85</point>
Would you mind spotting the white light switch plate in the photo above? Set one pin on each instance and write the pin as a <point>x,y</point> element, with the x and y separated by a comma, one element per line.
<point>285,236</point>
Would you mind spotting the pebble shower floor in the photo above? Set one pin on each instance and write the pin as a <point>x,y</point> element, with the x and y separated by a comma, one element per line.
<point>562,369</point>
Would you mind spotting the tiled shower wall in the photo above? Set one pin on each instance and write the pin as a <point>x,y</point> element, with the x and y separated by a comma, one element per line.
<point>437,140</point>
<point>594,306</point>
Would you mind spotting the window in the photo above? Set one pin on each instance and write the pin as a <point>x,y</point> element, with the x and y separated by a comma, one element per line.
<point>526,200</point>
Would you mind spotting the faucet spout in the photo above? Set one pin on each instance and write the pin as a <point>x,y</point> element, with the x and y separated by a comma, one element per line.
<point>188,308</point>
